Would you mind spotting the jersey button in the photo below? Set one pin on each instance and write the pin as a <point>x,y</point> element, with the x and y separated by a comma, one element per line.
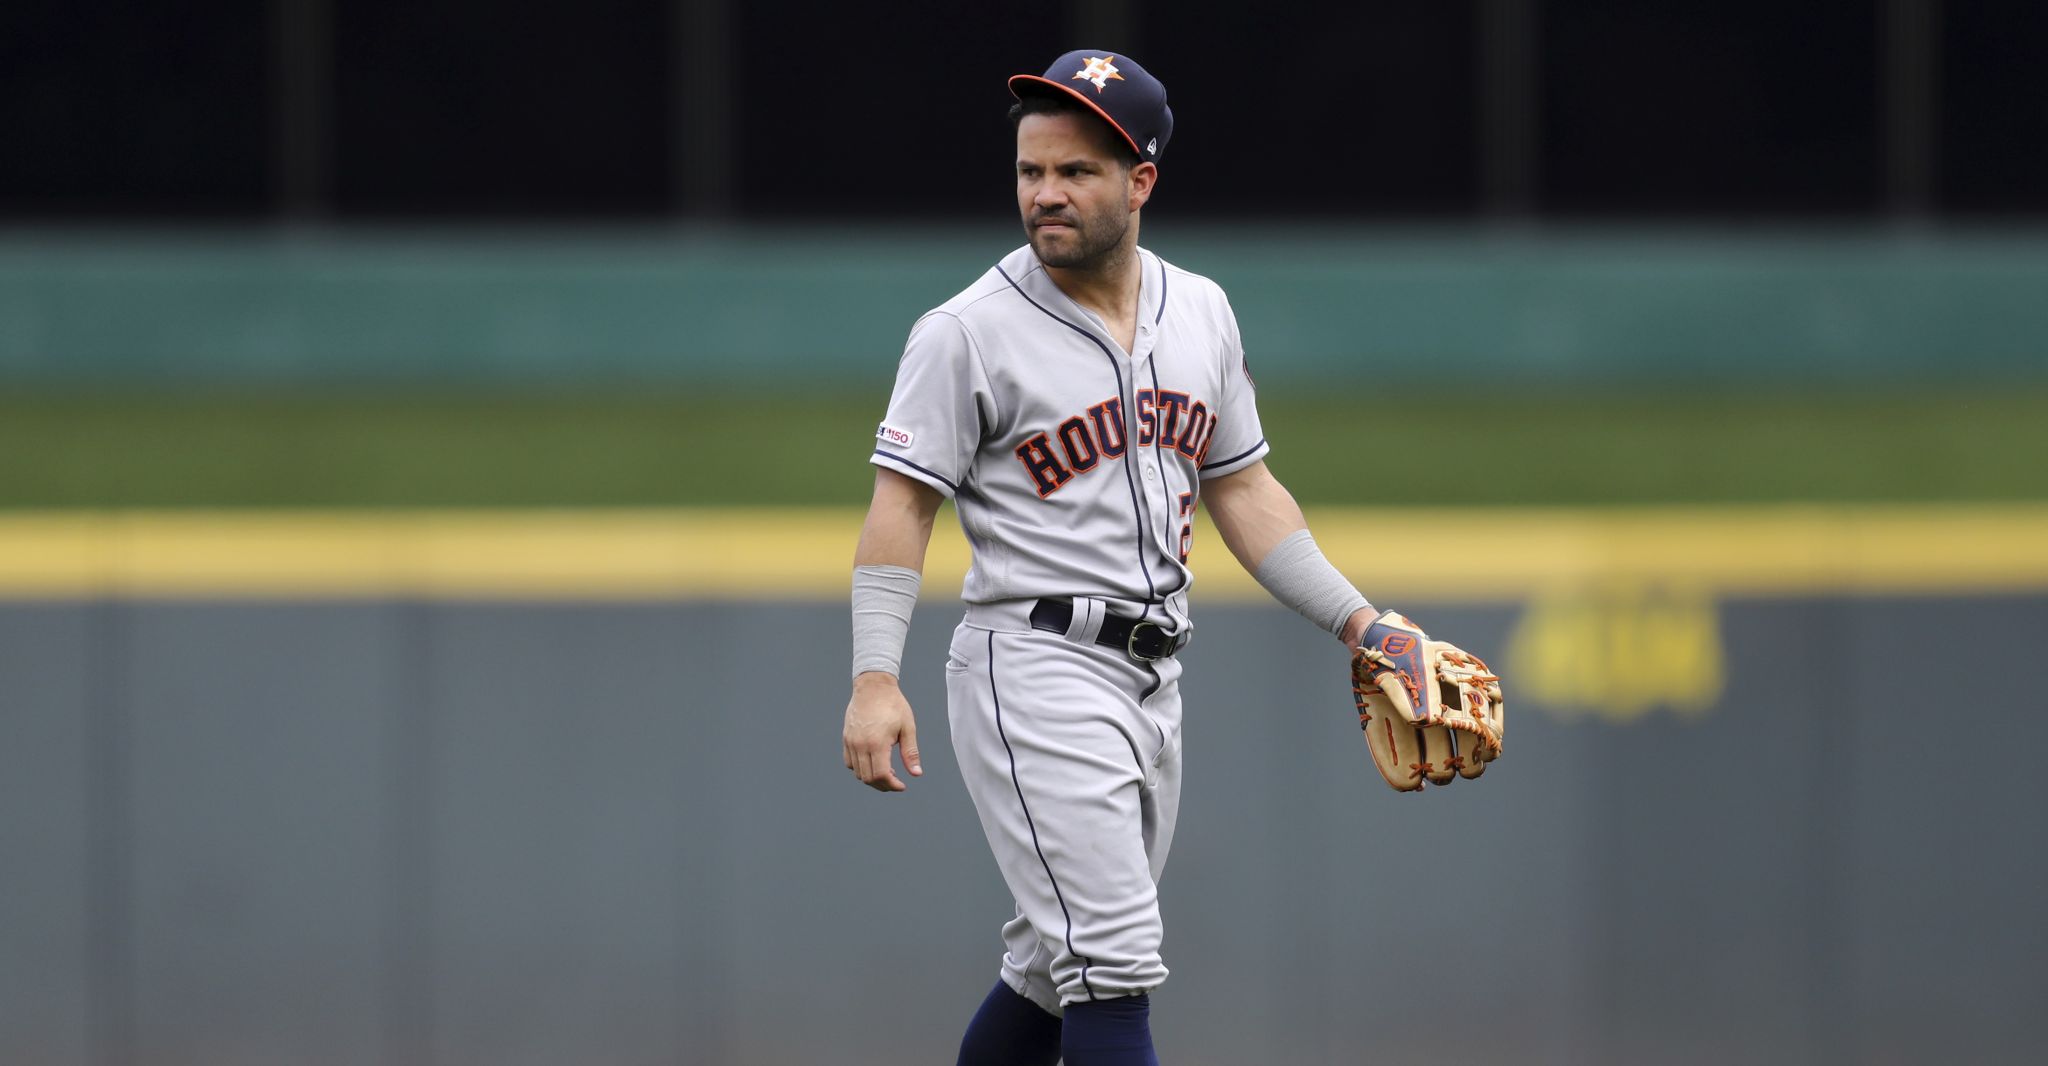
<point>1150,473</point>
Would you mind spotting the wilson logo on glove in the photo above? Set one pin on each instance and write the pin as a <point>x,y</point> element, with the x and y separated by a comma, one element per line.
<point>1431,711</point>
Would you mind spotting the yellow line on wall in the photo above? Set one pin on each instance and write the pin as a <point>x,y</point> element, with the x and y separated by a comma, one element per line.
<point>733,554</point>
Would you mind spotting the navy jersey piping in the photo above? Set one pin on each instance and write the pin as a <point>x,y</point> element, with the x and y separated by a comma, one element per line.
<point>1165,494</point>
<point>1028,823</point>
<point>1144,524</point>
<point>893,457</point>
<point>1235,458</point>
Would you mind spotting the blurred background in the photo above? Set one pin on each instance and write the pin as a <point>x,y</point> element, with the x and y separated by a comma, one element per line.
<point>433,435</point>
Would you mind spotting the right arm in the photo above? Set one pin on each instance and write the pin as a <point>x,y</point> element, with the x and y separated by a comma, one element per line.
<point>878,718</point>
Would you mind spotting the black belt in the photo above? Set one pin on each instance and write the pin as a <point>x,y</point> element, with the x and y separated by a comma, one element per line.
<point>1141,640</point>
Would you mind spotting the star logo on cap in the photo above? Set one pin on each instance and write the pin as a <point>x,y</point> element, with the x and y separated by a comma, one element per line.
<point>1099,70</point>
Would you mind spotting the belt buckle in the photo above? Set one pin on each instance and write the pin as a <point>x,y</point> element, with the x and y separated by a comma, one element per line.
<point>1131,642</point>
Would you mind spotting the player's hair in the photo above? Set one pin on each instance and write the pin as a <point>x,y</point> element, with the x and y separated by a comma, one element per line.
<point>1067,105</point>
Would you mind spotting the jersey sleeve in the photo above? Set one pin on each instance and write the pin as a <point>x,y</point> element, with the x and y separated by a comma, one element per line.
<point>1238,440</point>
<point>937,411</point>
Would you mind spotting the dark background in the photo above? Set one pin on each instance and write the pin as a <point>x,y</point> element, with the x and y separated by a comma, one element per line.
<point>646,110</point>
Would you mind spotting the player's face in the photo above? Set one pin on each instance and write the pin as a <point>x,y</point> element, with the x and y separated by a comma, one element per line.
<point>1075,198</point>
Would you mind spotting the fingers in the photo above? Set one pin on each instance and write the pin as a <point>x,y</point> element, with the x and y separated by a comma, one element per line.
<point>875,726</point>
<point>870,763</point>
<point>908,740</point>
<point>881,776</point>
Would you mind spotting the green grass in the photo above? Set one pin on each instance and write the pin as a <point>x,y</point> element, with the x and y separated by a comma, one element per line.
<point>62,450</point>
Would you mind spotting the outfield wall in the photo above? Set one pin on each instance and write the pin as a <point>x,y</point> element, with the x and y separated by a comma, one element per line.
<point>831,305</point>
<point>353,827</point>
<point>412,833</point>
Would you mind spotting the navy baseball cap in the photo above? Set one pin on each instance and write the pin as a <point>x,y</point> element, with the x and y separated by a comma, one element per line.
<point>1113,86</point>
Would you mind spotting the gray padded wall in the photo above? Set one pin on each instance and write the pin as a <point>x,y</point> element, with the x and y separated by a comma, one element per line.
<point>445,834</point>
<point>52,791</point>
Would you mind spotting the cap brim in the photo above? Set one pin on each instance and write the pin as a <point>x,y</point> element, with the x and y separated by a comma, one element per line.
<point>1032,84</point>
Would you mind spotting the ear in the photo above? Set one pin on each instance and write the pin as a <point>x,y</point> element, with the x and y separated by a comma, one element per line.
<point>1143,177</point>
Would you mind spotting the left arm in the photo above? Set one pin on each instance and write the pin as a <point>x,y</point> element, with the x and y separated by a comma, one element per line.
<point>1255,514</point>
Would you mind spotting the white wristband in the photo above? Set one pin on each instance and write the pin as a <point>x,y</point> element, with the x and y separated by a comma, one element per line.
<point>1297,575</point>
<point>882,600</point>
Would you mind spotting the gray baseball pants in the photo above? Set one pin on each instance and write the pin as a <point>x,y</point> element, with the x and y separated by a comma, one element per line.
<point>1071,752</point>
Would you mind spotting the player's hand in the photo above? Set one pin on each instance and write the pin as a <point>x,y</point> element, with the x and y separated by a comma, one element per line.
<point>878,718</point>
<point>1354,628</point>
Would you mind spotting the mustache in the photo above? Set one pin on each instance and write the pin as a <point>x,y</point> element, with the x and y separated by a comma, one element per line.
<point>1054,216</point>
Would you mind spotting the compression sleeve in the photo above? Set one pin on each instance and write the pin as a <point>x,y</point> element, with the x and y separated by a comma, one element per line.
<point>1298,575</point>
<point>883,597</point>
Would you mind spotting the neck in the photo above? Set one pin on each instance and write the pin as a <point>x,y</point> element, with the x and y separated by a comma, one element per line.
<point>1108,286</point>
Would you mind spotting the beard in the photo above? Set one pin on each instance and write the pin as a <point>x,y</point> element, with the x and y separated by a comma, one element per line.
<point>1087,242</point>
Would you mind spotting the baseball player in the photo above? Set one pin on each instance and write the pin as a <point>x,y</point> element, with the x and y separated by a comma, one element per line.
<point>1076,403</point>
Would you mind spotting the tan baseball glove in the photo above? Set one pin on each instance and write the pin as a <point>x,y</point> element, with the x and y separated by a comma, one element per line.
<point>1430,710</point>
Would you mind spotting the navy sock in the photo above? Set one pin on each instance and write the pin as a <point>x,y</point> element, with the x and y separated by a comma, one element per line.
<point>1010,1030</point>
<point>1109,1032</point>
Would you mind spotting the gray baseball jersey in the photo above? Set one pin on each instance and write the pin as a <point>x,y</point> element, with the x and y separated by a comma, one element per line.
<point>1073,466</point>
